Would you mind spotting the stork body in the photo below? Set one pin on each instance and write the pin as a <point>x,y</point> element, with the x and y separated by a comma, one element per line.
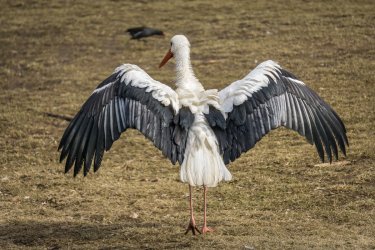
<point>203,164</point>
<point>201,129</point>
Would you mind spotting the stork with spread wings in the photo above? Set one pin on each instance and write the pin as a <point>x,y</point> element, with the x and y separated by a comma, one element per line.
<point>201,129</point>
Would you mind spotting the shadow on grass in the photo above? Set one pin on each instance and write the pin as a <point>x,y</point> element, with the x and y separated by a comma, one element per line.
<point>53,235</point>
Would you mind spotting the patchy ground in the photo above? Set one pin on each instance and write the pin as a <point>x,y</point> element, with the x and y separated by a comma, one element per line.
<point>54,53</point>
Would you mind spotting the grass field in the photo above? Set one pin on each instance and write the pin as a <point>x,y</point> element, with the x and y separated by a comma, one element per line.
<point>54,53</point>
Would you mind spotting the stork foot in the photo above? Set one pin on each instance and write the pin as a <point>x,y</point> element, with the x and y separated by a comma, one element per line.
<point>192,227</point>
<point>206,229</point>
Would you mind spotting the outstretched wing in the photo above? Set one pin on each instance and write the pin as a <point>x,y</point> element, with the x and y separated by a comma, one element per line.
<point>270,97</point>
<point>129,98</point>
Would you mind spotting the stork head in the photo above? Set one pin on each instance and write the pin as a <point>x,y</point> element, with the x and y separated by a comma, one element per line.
<point>179,47</point>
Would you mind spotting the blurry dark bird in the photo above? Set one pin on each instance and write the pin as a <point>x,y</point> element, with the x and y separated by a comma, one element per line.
<point>141,32</point>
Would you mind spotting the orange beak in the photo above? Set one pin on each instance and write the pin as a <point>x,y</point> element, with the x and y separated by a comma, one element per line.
<point>167,56</point>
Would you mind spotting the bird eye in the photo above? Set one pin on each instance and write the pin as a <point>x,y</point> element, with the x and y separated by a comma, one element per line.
<point>171,44</point>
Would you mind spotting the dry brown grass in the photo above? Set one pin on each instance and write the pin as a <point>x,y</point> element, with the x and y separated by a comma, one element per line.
<point>53,53</point>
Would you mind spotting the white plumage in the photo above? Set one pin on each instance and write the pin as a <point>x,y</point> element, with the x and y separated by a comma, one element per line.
<point>203,164</point>
<point>201,129</point>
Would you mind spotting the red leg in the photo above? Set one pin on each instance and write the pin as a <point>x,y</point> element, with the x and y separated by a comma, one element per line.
<point>192,226</point>
<point>205,229</point>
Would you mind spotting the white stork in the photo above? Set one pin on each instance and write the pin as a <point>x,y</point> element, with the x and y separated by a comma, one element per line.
<point>201,129</point>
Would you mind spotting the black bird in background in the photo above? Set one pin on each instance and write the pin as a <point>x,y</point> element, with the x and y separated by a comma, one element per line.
<point>141,32</point>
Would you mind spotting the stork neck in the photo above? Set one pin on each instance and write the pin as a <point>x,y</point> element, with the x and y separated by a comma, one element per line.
<point>184,70</point>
